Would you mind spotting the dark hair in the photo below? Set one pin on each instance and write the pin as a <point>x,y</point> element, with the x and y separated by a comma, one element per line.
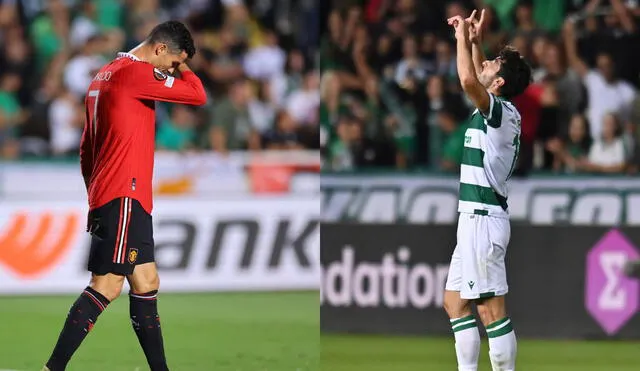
<point>175,35</point>
<point>515,72</point>
<point>618,130</point>
<point>585,144</point>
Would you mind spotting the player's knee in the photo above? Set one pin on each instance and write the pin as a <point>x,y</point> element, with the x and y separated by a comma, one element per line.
<point>110,286</point>
<point>490,313</point>
<point>151,283</point>
<point>455,306</point>
<point>449,306</point>
<point>486,316</point>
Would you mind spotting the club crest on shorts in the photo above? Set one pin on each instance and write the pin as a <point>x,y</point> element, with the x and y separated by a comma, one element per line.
<point>133,255</point>
<point>159,75</point>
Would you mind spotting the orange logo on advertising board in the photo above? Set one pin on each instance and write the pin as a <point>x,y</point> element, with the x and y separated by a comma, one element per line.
<point>178,186</point>
<point>30,252</point>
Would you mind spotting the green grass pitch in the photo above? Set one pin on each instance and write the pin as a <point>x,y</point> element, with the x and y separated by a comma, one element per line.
<point>375,353</point>
<point>262,332</point>
<point>235,332</point>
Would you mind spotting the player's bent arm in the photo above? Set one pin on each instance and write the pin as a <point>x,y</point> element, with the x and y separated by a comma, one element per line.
<point>469,80</point>
<point>147,82</point>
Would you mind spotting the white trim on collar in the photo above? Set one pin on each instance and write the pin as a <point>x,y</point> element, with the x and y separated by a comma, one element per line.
<point>129,55</point>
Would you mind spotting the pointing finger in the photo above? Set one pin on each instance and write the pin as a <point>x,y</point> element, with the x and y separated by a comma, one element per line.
<point>482,16</point>
<point>473,15</point>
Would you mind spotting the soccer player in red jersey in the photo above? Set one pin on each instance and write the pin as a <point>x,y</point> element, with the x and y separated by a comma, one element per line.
<point>116,158</point>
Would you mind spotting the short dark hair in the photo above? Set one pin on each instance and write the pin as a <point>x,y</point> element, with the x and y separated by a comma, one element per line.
<point>515,71</point>
<point>175,35</point>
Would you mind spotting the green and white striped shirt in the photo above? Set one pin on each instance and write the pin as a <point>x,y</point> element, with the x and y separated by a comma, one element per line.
<point>491,147</point>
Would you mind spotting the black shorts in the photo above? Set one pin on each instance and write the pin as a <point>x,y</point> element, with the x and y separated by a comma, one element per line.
<point>121,237</point>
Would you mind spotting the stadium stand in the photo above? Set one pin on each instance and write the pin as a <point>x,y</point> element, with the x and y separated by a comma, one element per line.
<point>390,95</point>
<point>259,72</point>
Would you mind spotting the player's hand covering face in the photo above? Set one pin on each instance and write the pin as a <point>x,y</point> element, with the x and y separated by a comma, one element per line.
<point>167,60</point>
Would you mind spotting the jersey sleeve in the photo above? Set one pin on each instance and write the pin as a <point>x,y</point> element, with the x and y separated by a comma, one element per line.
<point>147,82</point>
<point>494,116</point>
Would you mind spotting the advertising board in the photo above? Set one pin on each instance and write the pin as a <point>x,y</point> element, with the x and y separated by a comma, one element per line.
<point>253,243</point>
<point>564,281</point>
<point>433,199</point>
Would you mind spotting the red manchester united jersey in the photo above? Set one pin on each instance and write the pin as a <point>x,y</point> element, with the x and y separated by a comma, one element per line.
<point>117,148</point>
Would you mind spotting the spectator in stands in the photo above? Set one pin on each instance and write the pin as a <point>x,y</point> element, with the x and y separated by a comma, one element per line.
<point>34,132</point>
<point>66,120</point>
<point>49,32</point>
<point>495,35</point>
<point>43,44</point>
<point>304,103</point>
<point>534,51</point>
<point>226,59</point>
<point>451,156</point>
<point>551,107</point>
<point>335,54</point>
<point>362,51</point>
<point>143,10</point>
<point>455,8</point>
<point>573,148</point>
<point>291,79</point>
<point>524,22</point>
<point>9,147</point>
<point>401,132</point>
<point>570,92</point>
<point>607,93</point>
<point>608,153</point>
<point>81,69</point>
<point>431,142</point>
<point>284,136</point>
<point>177,132</point>
<point>237,18</point>
<point>263,107</point>
<point>411,70</point>
<point>16,57</point>
<point>11,114</point>
<point>339,150</point>
<point>10,83</point>
<point>391,150</point>
<point>329,102</point>
<point>538,107</point>
<point>384,58</point>
<point>231,127</point>
<point>446,61</point>
<point>352,149</point>
<point>84,25</point>
<point>266,61</point>
<point>612,33</point>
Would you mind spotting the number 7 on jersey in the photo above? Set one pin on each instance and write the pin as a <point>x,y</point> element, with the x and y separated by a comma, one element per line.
<point>93,116</point>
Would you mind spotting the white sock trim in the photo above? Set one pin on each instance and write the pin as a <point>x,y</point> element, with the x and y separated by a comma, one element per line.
<point>499,327</point>
<point>463,323</point>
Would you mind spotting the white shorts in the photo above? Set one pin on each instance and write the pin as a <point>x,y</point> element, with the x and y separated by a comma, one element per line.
<point>477,267</point>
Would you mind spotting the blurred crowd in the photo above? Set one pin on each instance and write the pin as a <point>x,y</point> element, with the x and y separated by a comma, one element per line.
<point>390,96</point>
<point>257,59</point>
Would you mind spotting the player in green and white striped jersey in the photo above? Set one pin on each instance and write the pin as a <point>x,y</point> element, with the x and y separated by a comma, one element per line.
<point>477,272</point>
